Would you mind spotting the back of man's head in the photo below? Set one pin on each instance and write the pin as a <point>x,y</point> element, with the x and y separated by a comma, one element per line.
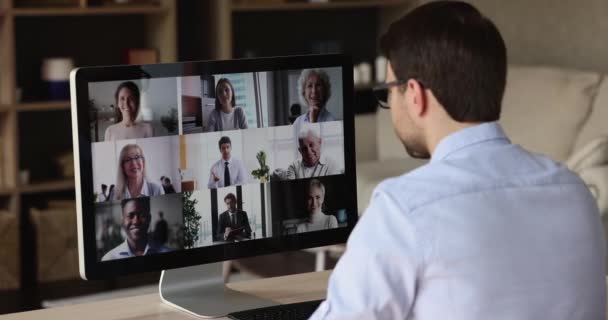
<point>455,52</point>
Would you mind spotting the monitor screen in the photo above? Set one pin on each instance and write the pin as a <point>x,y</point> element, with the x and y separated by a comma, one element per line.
<point>196,162</point>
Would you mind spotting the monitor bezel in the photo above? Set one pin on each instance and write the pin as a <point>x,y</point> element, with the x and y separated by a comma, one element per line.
<point>91,268</point>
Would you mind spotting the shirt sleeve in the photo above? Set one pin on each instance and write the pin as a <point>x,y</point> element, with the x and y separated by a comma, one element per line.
<point>377,275</point>
<point>211,184</point>
<point>211,127</point>
<point>241,178</point>
<point>107,135</point>
<point>242,119</point>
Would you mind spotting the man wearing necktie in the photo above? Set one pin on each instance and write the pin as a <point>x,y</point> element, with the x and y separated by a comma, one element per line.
<point>227,171</point>
<point>233,224</point>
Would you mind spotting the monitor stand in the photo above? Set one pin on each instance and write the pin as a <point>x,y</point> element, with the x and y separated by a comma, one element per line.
<point>200,291</point>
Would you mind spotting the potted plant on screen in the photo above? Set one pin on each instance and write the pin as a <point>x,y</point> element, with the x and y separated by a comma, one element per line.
<point>262,172</point>
<point>170,120</point>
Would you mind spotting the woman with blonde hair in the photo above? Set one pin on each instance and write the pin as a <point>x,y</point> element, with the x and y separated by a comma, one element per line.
<point>131,179</point>
<point>317,219</point>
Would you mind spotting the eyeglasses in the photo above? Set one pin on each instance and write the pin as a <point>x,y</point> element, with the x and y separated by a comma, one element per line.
<point>381,92</point>
<point>129,159</point>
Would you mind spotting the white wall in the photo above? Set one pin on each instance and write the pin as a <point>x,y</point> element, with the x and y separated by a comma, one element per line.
<point>566,33</point>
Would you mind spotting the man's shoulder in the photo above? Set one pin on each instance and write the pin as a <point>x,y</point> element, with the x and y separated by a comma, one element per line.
<point>115,253</point>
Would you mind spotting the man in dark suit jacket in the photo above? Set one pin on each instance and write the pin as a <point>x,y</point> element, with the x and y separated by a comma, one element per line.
<point>233,224</point>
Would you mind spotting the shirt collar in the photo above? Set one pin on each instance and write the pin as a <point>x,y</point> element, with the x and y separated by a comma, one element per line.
<point>125,250</point>
<point>145,191</point>
<point>467,137</point>
<point>319,117</point>
<point>223,161</point>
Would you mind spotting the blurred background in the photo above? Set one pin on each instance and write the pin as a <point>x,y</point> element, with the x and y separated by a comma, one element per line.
<point>41,40</point>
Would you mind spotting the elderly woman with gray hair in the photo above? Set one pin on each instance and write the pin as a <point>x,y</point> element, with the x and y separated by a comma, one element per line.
<point>314,90</point>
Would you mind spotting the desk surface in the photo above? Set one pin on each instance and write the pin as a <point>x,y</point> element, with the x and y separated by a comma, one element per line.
<point>288,289</point>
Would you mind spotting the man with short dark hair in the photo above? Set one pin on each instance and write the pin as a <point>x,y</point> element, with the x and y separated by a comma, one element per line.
<point>485,230</point>
<point>135,222</point>
<point>228,171</point>
<point>233,224</point>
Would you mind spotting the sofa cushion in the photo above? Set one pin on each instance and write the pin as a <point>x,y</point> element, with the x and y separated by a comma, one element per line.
<point>369,174</point>
<point>544,108</point>
<point>597,123</point>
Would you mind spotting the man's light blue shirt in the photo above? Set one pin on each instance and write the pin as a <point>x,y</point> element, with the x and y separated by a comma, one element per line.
<point>485,230</point>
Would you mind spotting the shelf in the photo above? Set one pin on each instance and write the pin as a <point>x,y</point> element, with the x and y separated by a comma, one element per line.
<point>77,11</point>
<point>43,105</point>
<point>290,6</point>
<point>50,186</point>
<point>6,191</point>
<point>364,87</point>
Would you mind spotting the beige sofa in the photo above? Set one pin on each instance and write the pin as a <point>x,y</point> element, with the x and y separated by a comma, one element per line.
<point>558,112</point>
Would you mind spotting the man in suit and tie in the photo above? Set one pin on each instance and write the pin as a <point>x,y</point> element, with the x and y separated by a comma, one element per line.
<point>233,224</point>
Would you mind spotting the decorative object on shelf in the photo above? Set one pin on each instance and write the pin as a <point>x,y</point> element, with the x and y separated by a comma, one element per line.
<point>191,220</point>
<point>65,162</point>
<point>24,177</point>
<point>56,241</point>
<point>381,69</point>
<point>170,120</point>
<point>9,250</point>
<point>263,171</point>
<point>362,74</point>
<point>56,75</point>
<point>142,56</point>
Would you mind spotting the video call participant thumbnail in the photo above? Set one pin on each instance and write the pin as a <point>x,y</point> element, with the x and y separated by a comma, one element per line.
<point>127,97</point>
<point>314,90</point>
<point>228,171</point>
<point>317,219</point>
<point>136,219</point>
<point>131,179</point>
<point>312,163</point>
<point>233,224</point>
<point>226,115</point>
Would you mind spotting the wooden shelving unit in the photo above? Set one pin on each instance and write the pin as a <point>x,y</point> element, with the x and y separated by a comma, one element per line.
<point>286,6</point>
<point>34,130</point>
<point>222,14</point>
<point>43,105</point>
<point>48,186</point>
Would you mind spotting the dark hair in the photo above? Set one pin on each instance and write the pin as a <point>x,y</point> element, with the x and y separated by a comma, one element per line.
<point>230,196</point>
<point>223,140</point>
<point>455,52</point>
<point>142,202</point>
<point>131,86</point>
<point>218,106</point>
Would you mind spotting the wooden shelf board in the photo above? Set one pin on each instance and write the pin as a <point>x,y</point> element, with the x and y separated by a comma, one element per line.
<point>50,186</point>
<point>365,87</point>
<point>43,105</point>
<point>78,11</point>
<point>6,191</point>
<point>286,6</point>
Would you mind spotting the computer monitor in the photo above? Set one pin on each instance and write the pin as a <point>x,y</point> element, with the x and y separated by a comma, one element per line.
<point>190,163</point>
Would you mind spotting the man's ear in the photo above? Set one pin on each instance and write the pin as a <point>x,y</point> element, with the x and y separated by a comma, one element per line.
<point>418,99</point>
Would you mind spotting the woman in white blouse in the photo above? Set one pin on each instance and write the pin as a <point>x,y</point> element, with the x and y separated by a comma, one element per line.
<point>131,181</point>
<point>314,204</point>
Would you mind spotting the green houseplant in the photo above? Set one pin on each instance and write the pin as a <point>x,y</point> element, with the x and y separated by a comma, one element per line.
<point>262,172</point>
